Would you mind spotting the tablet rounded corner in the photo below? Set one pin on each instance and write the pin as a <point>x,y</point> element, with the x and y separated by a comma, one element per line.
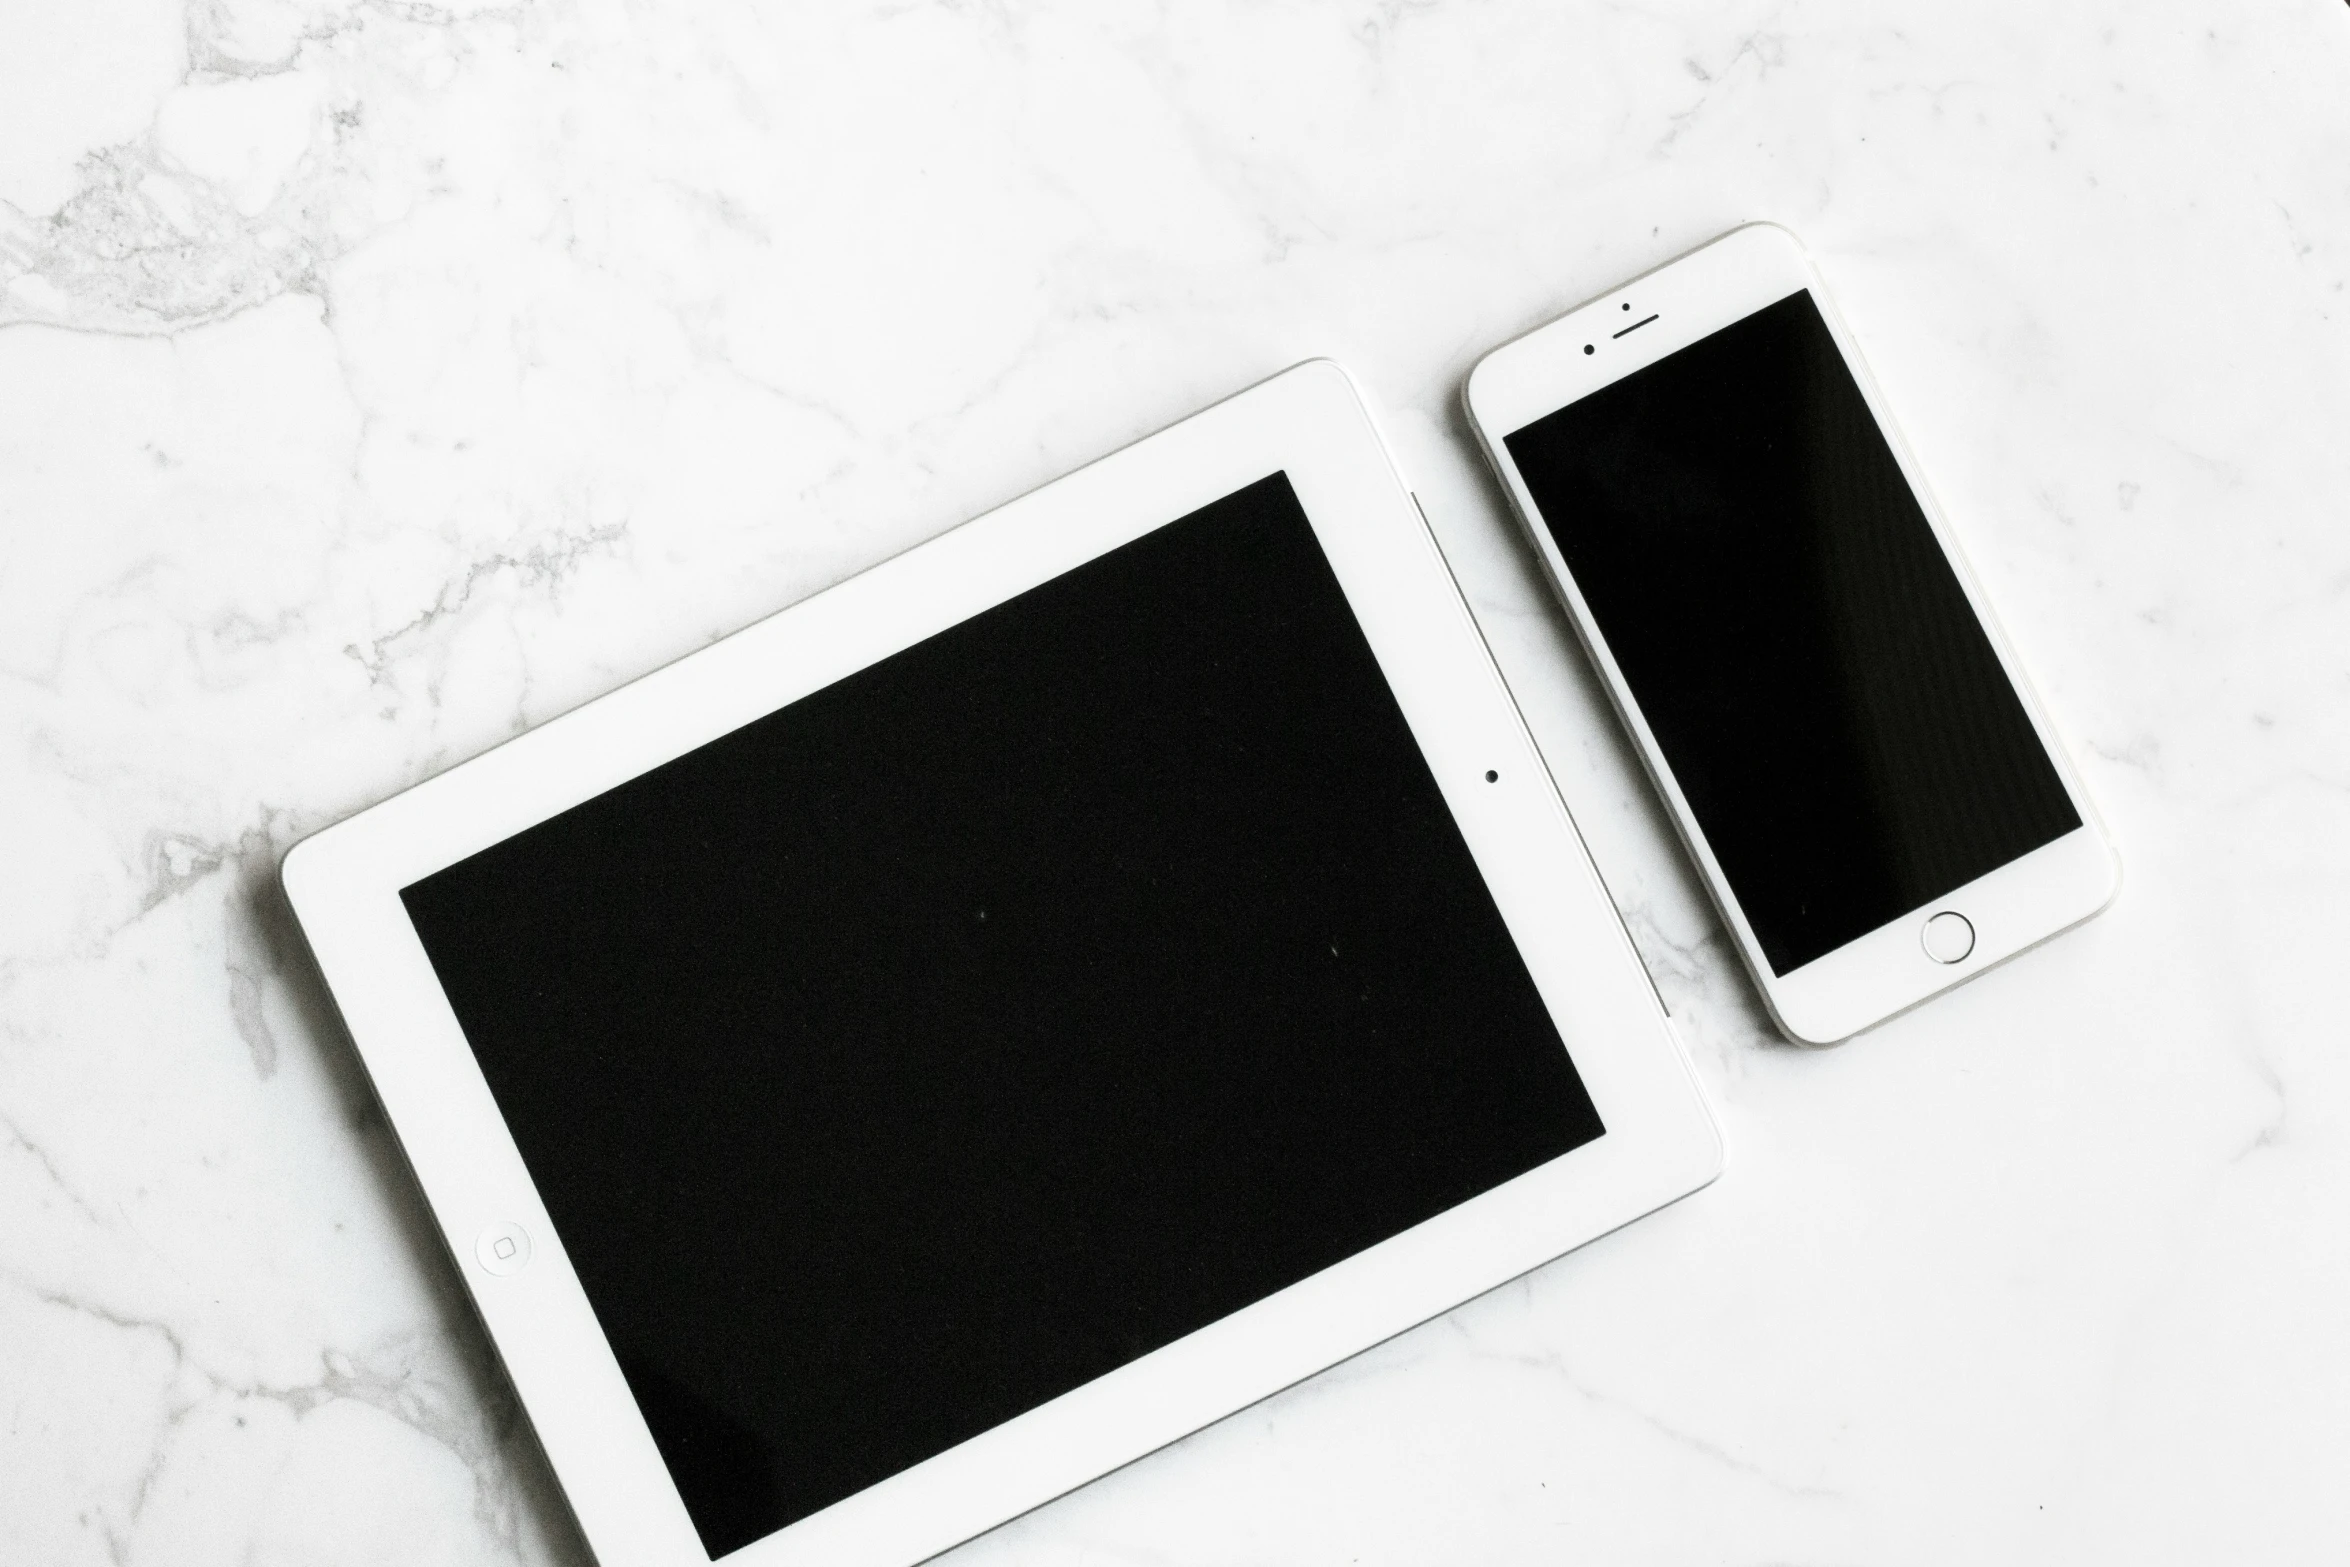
<point>1322,369</point>
<point>1706,1151</point>
<point>1715,1157</point>
<point>298,870</point>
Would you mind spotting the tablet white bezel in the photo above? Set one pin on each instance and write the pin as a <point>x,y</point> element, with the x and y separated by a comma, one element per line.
<point>1656,315</point>
<point>1660,1143</point>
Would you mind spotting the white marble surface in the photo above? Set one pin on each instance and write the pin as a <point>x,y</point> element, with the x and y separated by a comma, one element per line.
<point>380,377</point>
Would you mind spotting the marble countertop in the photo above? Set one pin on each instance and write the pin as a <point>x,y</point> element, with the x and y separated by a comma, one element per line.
<point>379,378</point>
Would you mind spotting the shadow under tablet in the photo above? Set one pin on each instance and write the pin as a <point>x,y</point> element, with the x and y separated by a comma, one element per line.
<point>999,1014</point>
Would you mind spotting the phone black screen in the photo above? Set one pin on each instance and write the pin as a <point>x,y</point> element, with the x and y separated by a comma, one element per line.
<point>1792,632</point>
<point>999,1014</point>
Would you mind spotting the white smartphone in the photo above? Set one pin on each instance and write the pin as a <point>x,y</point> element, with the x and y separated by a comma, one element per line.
<point>1783,621</point>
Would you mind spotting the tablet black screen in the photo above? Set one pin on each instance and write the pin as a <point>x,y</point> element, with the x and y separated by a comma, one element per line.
<point>990,1018</point>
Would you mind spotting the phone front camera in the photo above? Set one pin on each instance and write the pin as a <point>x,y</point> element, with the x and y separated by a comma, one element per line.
<point>1587,348</point>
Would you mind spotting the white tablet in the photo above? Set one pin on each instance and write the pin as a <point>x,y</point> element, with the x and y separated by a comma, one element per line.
<point>1008,1011</point>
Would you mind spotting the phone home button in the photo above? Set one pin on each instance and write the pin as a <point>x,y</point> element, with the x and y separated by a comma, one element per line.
<point>1949,937</point>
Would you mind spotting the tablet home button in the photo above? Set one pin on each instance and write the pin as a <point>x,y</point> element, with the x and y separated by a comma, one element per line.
<point>1949,937</point>
<point>503,1249</point>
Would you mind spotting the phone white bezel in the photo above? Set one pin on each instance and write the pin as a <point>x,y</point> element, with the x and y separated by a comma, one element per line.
<point>1659,1145</point>
<point>1648,319</point>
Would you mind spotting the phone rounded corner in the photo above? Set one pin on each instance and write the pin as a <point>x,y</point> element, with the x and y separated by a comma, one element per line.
<point>1475,393</point>
<point>2116,873</point>
<point>1814,1039</point>
<point>1761,246</point>
<point>2099,885</point>
<point>1772,231</point>
<point>1807,1033</point>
